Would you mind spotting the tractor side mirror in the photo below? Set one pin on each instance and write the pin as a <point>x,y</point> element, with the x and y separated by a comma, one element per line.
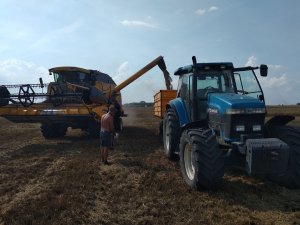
<point>263,70</point>
<point>261,98</point>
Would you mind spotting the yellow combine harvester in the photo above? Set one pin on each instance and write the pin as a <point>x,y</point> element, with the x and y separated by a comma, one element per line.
<point>77,98</point>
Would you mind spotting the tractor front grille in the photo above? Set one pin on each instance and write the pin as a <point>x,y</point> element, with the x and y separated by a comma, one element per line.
<point>248,120</point>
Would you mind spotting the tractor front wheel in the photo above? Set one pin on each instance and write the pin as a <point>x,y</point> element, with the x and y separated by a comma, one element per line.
<point>201,160</point>
<point>171,130</point>
<point>290,135</point>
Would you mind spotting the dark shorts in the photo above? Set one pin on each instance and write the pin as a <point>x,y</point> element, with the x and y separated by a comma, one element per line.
<point>106,139</point>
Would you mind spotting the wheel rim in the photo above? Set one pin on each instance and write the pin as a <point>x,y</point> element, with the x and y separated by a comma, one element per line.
<point>188,164</point>
<point>167,138</point>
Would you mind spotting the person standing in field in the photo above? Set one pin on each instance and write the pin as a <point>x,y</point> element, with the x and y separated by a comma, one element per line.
<point>107,134</point>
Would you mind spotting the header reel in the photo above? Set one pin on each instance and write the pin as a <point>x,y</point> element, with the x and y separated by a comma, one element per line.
<point>26,95</point>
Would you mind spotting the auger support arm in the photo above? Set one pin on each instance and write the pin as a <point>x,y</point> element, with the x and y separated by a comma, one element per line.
<point>158,61</point>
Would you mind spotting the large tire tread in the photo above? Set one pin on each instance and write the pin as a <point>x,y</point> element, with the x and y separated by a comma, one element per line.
<point>208,159</point>
<point>171,120</point>
<point>290,135</point>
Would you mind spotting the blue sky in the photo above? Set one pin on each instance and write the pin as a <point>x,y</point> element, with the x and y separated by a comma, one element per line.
<point>119,37</point>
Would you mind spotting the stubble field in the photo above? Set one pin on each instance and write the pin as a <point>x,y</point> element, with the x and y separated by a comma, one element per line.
<point>63,182</point>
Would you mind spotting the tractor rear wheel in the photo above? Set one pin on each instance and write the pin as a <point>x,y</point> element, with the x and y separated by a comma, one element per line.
<point>291,136</point>
<point>201,160</point>
<point>171,136</point>
<point>53,130</point>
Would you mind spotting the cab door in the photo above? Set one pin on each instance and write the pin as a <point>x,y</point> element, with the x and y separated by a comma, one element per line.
<point>246,83</point>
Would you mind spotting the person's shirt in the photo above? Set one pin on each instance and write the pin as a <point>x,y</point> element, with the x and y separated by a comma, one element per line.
<point>107,123</point>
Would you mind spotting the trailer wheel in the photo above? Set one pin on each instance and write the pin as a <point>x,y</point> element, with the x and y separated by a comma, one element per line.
<point>291,136</point>
<point>53,130</point>
<point>171,134</point>
<point>201,160</point>
<point>4,96</point>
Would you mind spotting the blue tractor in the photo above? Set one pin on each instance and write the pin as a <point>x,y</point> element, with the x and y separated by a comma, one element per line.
<point>218,120</point>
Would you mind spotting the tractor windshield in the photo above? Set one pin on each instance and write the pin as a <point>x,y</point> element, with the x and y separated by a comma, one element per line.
<point>213,82</point>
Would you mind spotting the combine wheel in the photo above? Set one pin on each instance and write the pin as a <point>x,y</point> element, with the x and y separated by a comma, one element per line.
<point>291,136</point>
<point>53,130</point>
<point>171,134</point>
<point>4,96</point>
<point>201,160</point>
<point>26,95</point>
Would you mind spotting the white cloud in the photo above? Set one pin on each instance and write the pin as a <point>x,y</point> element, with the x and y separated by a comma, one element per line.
<point>252,61</point>
<point>278,86</point>
<point>273,82</point>
<point>213,8</point>
<point>137,23</point>
<point>275,67</point>
<point>123,72</point>
<point>16,71</point>
<point>269,82</point>
<point>123,67</point>
<point>200,12</point>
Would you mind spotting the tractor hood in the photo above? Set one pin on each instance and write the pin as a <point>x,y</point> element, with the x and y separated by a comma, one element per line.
<point>234,103</point>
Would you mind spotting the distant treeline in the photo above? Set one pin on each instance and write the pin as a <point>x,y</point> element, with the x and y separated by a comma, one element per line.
<point>139,104</point>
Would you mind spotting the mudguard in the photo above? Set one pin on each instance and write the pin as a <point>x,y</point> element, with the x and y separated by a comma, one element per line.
<point>181,112</point>
<point>279,120</point>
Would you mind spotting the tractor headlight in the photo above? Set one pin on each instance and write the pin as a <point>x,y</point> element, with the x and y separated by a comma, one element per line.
<point>235,111</point>
<point>246,111</point>
<point>240,128</point>
<point>256,110</point>
<point>256,127</point>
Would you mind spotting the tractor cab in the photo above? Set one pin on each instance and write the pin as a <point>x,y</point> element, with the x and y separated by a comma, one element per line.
<point>197,85</point>
<point>222,97</point>
<point>217,120</point>
<point>194,88</point>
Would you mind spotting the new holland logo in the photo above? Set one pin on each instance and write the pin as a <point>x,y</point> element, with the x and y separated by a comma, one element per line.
<point>211,110</point>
